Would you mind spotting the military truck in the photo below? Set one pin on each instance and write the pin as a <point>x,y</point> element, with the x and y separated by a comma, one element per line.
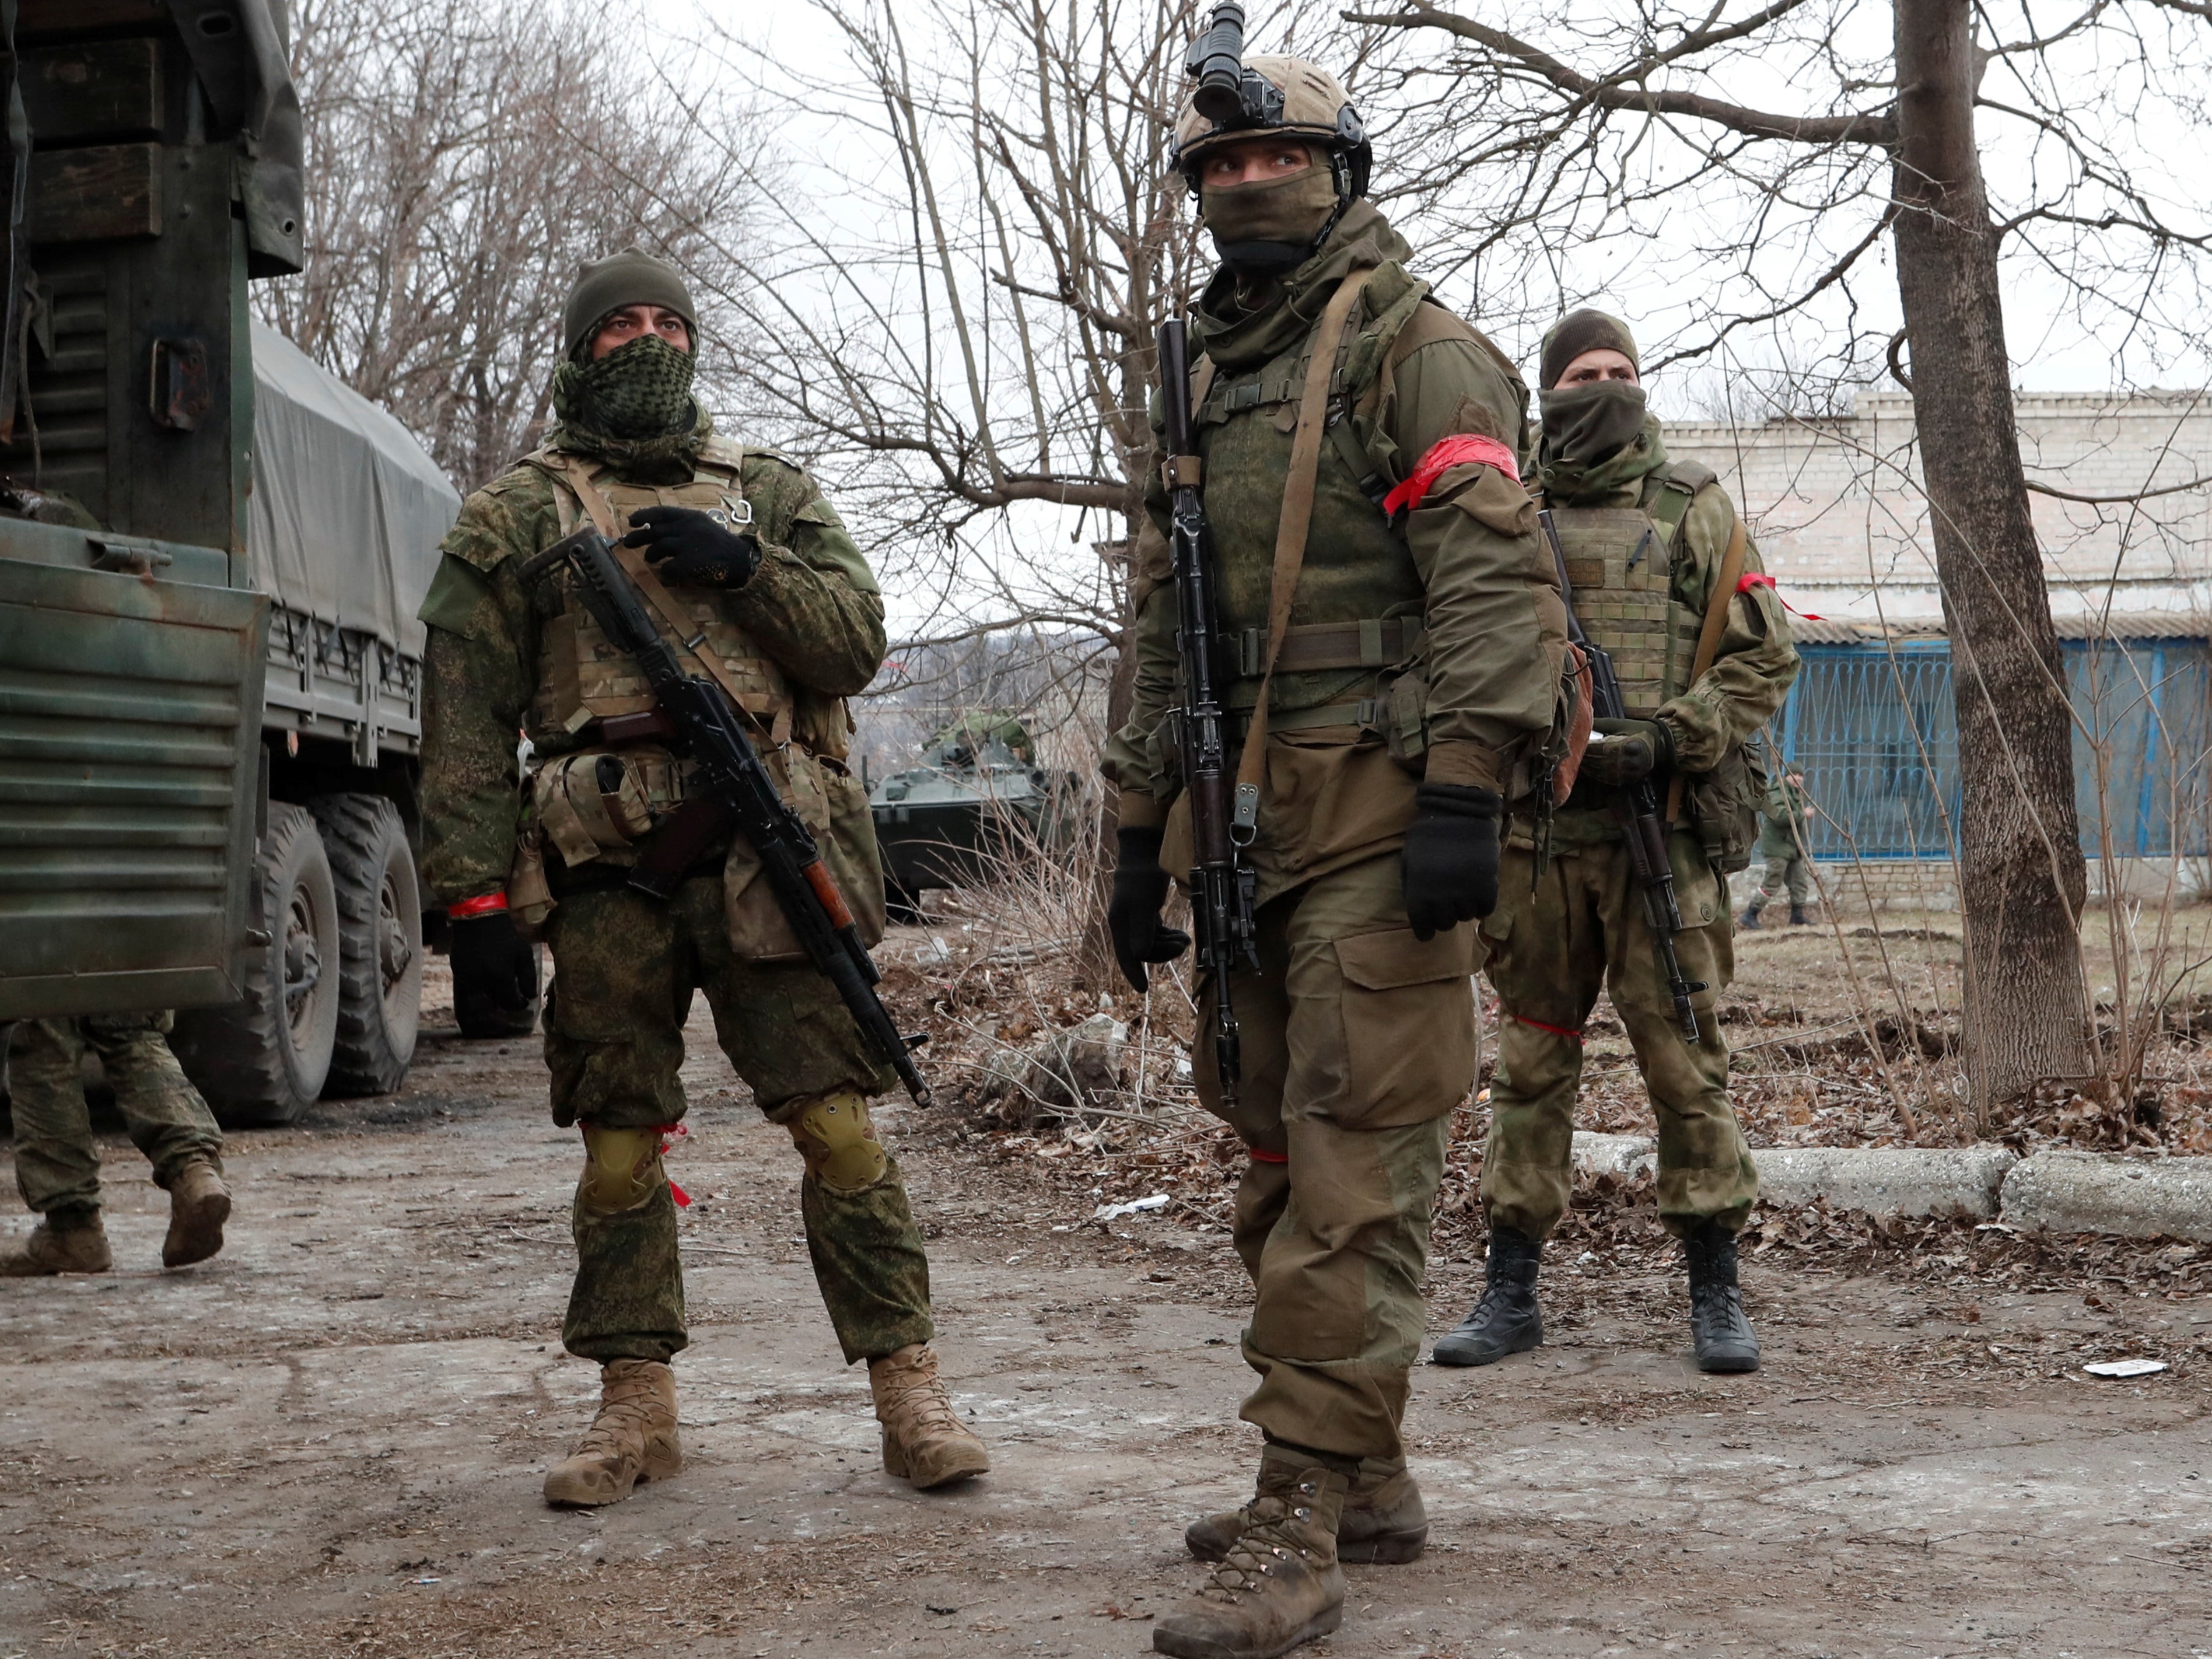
<point>211,556</point>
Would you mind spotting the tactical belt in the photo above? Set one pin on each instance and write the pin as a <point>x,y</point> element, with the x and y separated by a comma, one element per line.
<point>1366,711</point>
<point>1370,642</point>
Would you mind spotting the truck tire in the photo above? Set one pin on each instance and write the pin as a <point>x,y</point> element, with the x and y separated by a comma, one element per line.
<point>380,942</point>
<point>263,1061</point>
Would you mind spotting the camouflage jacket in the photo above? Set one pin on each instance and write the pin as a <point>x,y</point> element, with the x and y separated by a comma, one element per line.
<point>813,605</point>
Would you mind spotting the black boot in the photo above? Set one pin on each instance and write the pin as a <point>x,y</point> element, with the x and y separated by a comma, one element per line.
<point>1724,1337</point>
<point>1749,920</point>
<point>1798,918</point>
<point>1505,1319</point>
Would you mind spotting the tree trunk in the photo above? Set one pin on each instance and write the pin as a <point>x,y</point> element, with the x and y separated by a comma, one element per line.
<point>2021,878</point>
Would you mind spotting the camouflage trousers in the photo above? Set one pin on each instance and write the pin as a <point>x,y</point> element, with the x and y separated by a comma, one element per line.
<point>57,1163</point>
<point>625,966</point>
<point>1551,948</point>
<point>1358,1041</point>
<point>1790,873</point>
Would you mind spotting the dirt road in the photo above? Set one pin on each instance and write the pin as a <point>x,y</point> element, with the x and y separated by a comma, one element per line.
<point>329,1440</point>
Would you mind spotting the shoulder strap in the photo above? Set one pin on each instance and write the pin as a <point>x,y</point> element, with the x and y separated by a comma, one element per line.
<point>601,512</point>
<point>1297,516</point>
<point>1674,487</point>
<point>1709,637</point>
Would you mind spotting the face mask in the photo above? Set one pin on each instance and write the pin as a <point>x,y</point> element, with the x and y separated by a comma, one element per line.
<point>1269,228</point>
<point>642,389</point>
<point>1588,424</point>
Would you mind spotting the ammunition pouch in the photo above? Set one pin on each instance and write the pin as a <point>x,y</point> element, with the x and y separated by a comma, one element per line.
<point>600,803</point>
<point>835,811</point>
<point>1723,806</point>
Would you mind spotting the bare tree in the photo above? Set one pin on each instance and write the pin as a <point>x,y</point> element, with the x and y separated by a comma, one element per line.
<point>1601,130</point>
<point>464,157</point>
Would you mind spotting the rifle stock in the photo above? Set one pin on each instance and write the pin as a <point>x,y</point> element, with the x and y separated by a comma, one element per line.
<point>1635,809</point>
<point>733,788</point>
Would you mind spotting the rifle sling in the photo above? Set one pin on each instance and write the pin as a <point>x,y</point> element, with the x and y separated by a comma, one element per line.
<point>601,512</point>
<point>1709,637</point>
<point>1297,519</point>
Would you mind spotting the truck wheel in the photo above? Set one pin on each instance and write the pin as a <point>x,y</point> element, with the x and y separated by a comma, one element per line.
<point>263,1061</point>
<point>380,942</point>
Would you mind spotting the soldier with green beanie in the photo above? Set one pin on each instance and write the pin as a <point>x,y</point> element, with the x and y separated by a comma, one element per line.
<point>745,565</point>
<point>1666,580</point>
<point>1412,693</point>
<point>1784,832</point>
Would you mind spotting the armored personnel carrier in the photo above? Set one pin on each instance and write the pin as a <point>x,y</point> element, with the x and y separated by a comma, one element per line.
<point>977,800</point>
<point>211,553</point>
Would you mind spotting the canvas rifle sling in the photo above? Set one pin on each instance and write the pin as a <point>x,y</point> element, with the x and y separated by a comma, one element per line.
<point>1709,637</point>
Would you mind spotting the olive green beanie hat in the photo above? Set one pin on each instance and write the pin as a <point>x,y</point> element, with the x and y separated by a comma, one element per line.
<point>631,277</point>
<point>1574,334</point>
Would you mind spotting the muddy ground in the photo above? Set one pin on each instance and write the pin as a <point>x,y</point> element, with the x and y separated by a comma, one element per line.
<point>329,1440</point>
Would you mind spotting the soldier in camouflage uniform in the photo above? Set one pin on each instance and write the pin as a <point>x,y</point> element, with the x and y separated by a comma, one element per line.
<point>1784,830</point>
<point>746,563</point>
<point>1645,540</point>
<point>1412,692</point>
<point>58,1164</point>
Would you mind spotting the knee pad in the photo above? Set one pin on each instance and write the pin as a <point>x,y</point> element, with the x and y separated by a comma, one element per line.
<point>838,1144</point>
<point>622,1168</point>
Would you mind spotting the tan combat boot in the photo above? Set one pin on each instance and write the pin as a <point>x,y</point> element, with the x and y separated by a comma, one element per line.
<point>632,1439</point>
<point>1383,1523</point>
<point>57,1245</point>
<point>924,1439</point>
<point>199,1203</point>
<point>1279,1584</point>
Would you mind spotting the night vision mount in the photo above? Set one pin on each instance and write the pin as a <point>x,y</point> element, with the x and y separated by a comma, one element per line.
<point>1229,94</point>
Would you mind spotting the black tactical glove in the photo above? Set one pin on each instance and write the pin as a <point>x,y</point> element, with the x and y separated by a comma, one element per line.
<point>685,544</point>
<point>495,976</point>
<point>1632,751</point>
<point>1449,867</point>
<point>1133,914</point>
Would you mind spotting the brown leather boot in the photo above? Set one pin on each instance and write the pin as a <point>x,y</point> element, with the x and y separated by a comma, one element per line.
<point>61,1243</point>
<point>199,1203</point>
<point>1384,1523</point>
<point>924,1439</point>
<point>1279,1584</point>
<point>632,1439</point>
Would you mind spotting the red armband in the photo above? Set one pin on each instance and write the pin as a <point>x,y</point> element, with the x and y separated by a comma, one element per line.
<point>1464,449</point>
<point>484,904</point>
<point>1759,578</point>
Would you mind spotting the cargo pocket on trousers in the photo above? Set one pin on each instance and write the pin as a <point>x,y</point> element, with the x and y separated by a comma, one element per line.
<point>1409,1036</point>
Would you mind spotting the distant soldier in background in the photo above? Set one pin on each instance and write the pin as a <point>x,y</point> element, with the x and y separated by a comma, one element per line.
<point>1785,831</point>
<point>1664,575</point>
<point>57,1163</point>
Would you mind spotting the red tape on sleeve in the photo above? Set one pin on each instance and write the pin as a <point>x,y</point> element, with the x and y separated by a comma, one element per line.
<point>1260,1155</point>
<point>1759,578</point>
<point>484,904</point>
<point>1465,449</point>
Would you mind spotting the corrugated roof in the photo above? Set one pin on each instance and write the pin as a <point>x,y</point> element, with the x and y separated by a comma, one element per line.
<point>2138,625</point>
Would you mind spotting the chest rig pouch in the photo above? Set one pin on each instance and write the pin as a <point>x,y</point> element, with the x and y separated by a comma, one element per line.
<point>1624,565</point>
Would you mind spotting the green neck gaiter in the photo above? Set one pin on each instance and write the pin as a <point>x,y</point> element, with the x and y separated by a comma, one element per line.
<point>637,391</point>
<point>1270,227</point>
<point>1598,437</point>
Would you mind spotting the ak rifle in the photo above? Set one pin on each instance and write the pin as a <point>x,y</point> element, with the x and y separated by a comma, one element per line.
<point>1636,808</point>
<point>1221,882</point>
<point>732,789</point>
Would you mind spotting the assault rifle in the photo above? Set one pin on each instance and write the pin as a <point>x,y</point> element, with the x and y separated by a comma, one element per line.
<point>1221,883</point>
<point>1635,808</point>
<point>731,790</point>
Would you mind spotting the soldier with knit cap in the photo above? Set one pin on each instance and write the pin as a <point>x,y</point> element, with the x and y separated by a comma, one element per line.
<point>751,571</point>
<point>1659,564</point>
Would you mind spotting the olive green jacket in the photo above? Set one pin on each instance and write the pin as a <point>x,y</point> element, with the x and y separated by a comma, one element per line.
<point>1785,822</point>
<point>813,605</point>
<point>1467,565</point>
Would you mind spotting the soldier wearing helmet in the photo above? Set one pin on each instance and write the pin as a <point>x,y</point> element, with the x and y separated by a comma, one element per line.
<point>1360,443</point>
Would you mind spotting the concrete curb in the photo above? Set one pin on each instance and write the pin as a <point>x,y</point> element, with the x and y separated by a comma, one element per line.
<point>2053,1192</point>
<point>2110,1193</point>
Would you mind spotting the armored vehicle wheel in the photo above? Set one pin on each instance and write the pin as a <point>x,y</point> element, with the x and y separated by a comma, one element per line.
<point>380,942</point>
<point>264,1059</point>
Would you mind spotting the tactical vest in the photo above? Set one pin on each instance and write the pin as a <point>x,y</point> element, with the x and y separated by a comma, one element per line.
<point>1622,564</point>
<point>580,673</point>
<point>1360,598</point>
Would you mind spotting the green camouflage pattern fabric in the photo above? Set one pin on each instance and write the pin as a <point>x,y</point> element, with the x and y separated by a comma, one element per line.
<point>813,605</point>
<point>57,1160</point>
<point>642,389</point>
<point>1785,821</point>
<point>625,966</point>
<point>1785,872</point>
<point>1553,942</point>
<point>1358,1041</point>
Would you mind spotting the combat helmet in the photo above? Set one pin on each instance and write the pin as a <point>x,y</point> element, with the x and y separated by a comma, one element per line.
<point>1234,97</point>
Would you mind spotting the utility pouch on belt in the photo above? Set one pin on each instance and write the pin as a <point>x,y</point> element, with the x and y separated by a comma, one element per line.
<point>600,803</point>
<point>1724,805</point>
